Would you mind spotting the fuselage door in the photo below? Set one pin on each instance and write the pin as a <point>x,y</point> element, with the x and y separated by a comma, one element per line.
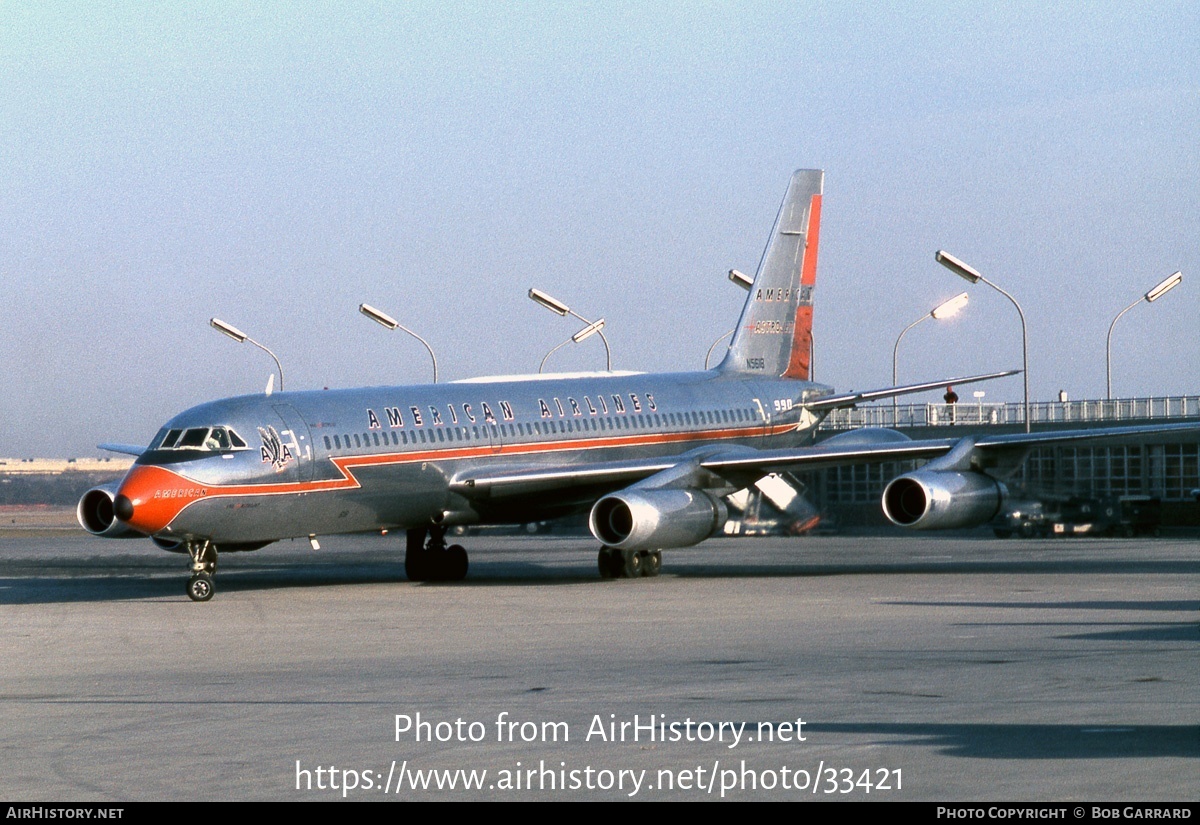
<point>763,413</point>
<point>495,437</point>
<point>295,439</point>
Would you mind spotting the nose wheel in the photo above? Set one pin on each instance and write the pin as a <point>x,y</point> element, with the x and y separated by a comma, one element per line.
<point>204,566</point>
<point>200,587</point>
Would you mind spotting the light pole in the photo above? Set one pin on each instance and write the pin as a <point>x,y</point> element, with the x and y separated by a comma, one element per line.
<point>385,320</point>
<point>557,306</point>
<point>962,270</point>
<point>242,338</point>
<point>946,309</point>
<point>745,282</point>
<point>1169,283</point>
<point>582,335</point>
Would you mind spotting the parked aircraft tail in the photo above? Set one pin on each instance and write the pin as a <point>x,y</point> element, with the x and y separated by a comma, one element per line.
<point>774,333</point>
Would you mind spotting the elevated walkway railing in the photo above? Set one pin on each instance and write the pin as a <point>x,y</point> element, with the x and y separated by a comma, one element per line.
<point>1040,412</point>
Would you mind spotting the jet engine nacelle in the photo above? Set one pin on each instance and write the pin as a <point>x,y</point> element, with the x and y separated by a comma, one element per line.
<point>655,519</point>
<point>96,515</point>
<point>941,499</point>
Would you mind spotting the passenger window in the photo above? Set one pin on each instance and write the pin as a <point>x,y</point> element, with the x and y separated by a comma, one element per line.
<point>328,443</point>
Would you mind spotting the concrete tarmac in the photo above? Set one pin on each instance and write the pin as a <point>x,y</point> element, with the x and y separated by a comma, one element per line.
<point>897,667</point>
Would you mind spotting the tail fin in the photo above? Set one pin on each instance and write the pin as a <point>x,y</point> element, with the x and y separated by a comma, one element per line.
<point>774,333</point>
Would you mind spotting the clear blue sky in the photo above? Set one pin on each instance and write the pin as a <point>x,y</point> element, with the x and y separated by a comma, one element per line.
<point>275,165</point>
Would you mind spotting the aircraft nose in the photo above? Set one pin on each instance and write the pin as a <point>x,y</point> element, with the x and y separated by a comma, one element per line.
<point>151,497</point>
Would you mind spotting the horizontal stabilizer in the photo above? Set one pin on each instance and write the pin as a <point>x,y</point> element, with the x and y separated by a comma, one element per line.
<point>833,402</point>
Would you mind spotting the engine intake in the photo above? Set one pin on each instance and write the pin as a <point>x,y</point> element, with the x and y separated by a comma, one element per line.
<point>97,514</point>
<point>656,519</point>
<point>942,500</point>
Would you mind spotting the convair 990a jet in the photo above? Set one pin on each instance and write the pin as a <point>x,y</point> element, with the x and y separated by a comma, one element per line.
<point>650,457</point>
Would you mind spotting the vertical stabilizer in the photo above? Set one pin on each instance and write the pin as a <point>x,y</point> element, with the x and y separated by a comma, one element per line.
<point>774,333</point>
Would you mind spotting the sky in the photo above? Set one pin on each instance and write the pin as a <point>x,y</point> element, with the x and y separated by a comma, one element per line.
<point>277,164</point>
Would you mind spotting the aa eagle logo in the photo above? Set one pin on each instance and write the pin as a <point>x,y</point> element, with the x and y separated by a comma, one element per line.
<point>273,450</point>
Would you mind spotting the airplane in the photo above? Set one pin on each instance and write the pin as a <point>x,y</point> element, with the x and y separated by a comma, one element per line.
<point>649,457</point>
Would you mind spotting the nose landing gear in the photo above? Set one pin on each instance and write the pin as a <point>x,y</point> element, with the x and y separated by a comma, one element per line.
<point>204,566</point>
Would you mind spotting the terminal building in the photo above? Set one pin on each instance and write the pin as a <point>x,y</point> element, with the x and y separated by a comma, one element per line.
<point>1166,468</point>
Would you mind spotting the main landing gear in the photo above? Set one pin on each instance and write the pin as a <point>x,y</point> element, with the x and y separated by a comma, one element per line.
<point>204,567</point>
<point>428,559</point>
<point>628,564</point>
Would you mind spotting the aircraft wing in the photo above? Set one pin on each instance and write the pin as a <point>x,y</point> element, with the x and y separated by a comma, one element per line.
<point>127,449</point>
<point>712,467</point>
<point>738,462</point>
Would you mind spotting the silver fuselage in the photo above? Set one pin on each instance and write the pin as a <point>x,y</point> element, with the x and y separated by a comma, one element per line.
<point>387,457</point>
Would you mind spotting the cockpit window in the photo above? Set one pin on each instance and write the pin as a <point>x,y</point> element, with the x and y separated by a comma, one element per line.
<point>194,438</point>
<point>210,439</point>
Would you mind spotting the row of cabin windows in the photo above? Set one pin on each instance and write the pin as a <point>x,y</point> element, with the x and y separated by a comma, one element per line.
<point>449,434</point>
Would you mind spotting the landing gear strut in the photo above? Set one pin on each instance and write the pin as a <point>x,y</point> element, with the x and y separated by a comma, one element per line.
<point>628,564</point>
<point>204,566</point>
<point>428,559</point>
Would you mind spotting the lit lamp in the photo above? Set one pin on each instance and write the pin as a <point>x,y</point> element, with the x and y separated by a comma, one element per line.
<point>242,338</point>
<point>946,309</point>
<point>1150,297</point>
<point>965,271</point>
